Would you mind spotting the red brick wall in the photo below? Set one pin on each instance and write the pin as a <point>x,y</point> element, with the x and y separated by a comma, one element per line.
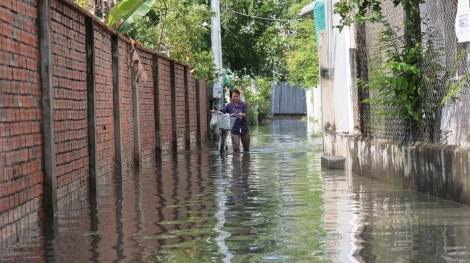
<point>192,109</point>
<point>180,106</point>
<point>126,105</point>
<point>70,99</point>
<point>104,102</point>
<point>164,78</point>
<point>21,140</point>
<point>21,152</point>
<point>147,110</point>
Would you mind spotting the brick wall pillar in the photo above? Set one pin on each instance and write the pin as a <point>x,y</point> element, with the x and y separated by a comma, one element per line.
<point>47,106</point>
<point>173,107</point>
<point>136,117</point>
<point>198,115</point>
<point>91,95</point>
<point>186,109</point>
<point>117,104</point>
<point>156,102</point>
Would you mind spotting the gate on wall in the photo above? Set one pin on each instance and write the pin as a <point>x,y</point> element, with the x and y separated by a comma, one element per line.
<point>288,100</point>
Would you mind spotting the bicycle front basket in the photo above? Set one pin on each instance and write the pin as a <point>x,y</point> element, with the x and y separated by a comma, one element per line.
<point>225,121</point>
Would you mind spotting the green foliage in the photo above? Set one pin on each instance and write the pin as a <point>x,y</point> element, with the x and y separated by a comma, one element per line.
<point>252,113</point>
<point>264,97</point>
<point>182,35</point>
<point>85,4</point>
<point>176,29</point>
<point>253,46</point>
<point>129,11</point>
<point>259,103</point>
<point>302,54</point>
<point>455,89</point>
<point>398,82</point>
<point>358,11</point>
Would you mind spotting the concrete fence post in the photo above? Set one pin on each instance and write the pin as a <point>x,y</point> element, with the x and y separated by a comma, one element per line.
<point>91,94</point>
<point>116,104</point>
<point>173,107</point>
<point>156,102</point>
<point>47,104</point>
<point>186,109</point>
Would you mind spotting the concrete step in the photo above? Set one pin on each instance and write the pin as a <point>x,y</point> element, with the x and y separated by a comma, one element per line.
<point>333,162</point>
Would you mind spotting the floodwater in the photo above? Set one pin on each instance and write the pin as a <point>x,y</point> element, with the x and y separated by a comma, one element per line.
<point>274,204</point>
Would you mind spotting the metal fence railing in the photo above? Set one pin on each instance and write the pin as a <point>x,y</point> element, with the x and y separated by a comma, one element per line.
<point>442,123</point>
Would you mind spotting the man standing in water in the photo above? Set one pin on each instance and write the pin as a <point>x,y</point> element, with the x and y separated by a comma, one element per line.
<point>240,128</point>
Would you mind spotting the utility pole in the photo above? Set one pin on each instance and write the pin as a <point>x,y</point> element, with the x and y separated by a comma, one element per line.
<point>217,91</point>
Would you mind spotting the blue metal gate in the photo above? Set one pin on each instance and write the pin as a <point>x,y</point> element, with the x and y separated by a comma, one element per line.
<point>288,100</point>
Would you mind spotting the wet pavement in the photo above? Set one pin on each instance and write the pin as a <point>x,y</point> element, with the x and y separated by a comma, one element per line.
<point>274,204</point>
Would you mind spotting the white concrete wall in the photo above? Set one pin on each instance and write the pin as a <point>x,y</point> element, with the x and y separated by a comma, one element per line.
<point>337,80</point>
<point>314,114</point>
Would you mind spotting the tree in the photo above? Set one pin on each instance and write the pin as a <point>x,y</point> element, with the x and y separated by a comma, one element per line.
<point>174,28</point>
<point>302,54</point>
<point>251,43</point>
<point>267,38</point>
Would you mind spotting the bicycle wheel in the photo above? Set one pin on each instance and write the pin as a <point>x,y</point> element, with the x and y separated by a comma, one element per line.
<point>222,141</point>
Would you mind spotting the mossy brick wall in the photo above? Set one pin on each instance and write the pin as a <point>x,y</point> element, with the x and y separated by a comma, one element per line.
<point>104,102</point>
<point>21,153</point>
<point>147,109</point>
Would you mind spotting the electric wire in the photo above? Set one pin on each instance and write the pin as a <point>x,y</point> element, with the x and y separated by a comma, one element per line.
<point>263,18</point>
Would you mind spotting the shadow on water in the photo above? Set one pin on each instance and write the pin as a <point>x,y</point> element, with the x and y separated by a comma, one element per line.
<point>273,204</point>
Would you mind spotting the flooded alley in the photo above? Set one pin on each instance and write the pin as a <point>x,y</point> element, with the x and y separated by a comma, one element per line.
<point>273,204</point>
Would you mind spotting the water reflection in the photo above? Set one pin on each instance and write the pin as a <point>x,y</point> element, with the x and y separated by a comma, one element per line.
<point>273,204</point>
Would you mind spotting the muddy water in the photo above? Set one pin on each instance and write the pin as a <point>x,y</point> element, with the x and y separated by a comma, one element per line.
<point>274,204</point>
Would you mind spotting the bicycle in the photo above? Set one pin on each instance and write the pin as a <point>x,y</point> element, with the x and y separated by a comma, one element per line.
<point>225,122</point>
